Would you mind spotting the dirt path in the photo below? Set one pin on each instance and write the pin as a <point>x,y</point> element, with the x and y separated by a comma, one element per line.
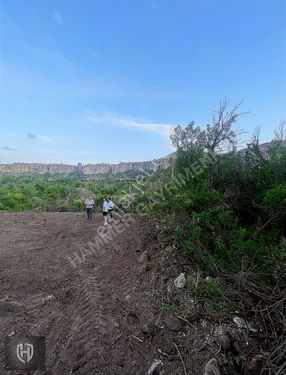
<point>91,315</point>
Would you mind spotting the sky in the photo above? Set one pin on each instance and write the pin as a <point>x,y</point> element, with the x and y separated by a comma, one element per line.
<point>105,81</point>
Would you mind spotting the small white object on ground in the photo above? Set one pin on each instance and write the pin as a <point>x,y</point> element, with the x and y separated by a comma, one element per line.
<point>47,298</point>
<point>241,323</point>
<point>155,368</point>
<point>180,281</point>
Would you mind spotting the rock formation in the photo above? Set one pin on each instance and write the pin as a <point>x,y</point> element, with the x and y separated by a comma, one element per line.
<point>89,169</point>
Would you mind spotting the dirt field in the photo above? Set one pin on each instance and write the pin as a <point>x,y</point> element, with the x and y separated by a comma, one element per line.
<point>85,313</point>
<point>91,315</point>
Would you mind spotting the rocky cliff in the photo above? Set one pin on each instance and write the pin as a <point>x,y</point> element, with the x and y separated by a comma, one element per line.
<point>89,169</point>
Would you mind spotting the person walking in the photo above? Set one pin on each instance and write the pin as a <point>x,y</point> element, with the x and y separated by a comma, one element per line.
<point>105,209</point>
<point>110,209</point>
<point>89,203</point>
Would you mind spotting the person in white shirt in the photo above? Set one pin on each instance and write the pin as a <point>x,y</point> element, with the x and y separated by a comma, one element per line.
<point>105,209</point>
<point>89,203</point>
<point>110,204</point>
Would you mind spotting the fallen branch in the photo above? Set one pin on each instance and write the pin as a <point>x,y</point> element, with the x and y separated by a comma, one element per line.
<point>183,363</point>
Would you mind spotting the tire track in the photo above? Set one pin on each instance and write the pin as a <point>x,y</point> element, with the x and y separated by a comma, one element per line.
<point>104,288</point>
<point>91,334</point>
<point>89,322</point>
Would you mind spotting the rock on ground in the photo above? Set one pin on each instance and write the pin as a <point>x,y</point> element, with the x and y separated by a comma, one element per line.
<point>212,367</point>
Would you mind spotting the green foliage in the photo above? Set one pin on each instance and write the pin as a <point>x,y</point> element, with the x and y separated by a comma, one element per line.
<point>172,309</point>
<point>13,200</point>
<point>190,284</point>
<point>230,213</point>
<point>237,214</point>
<point>57,193</point>
<point>274,202</point>
<point>76,204</point>
<point>239,360</point>
<point>211,294</point>
<point>210,289</point>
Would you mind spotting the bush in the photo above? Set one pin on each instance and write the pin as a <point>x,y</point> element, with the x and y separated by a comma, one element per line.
<point>76,204</point>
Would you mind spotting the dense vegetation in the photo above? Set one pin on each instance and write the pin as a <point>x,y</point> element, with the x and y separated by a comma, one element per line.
<point>54,193</point>
<point>230,213</point>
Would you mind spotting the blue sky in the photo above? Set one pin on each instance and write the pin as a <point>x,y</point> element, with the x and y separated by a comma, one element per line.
<point>103,81</point>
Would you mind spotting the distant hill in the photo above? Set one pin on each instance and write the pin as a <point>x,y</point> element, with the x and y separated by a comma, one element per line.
<point>130,168</point>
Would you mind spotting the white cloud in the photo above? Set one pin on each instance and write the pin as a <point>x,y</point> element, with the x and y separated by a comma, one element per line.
<point>116,120</point>
<point>58,18</point>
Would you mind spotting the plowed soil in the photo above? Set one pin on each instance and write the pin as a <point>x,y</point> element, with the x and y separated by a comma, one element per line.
<point>91,314</point>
